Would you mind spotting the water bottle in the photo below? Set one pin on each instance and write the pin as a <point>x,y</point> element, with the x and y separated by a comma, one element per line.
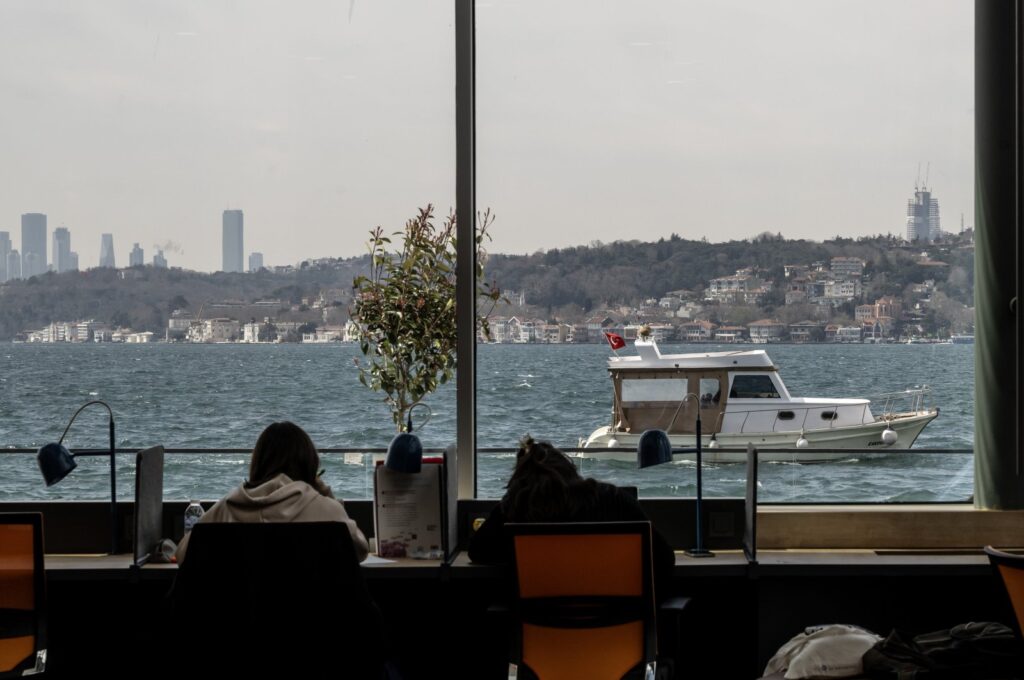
<point>193,512</point>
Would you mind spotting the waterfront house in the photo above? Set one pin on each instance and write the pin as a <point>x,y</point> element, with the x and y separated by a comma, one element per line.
<point>697,331</point>
<point>730,334</point>
<point>766,330</point>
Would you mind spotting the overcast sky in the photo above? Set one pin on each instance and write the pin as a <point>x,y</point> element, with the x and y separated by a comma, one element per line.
<point>595,120</point>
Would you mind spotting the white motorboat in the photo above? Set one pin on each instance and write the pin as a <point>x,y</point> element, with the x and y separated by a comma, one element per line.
<point>741,399</point>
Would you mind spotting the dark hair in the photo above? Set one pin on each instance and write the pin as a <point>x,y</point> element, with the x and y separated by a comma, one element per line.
<point>539,488</point>
<point>284,448</point>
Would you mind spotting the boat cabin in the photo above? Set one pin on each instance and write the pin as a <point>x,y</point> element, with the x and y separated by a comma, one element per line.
<point>650,389</point>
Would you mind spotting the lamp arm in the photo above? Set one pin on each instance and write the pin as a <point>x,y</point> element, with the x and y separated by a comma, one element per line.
<point>680,407</point>
<point>82,408</point>
<point>419,404</point>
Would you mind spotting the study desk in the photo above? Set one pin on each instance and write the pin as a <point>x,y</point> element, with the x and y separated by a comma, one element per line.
<point>121,567</point>
<point>440,606</point>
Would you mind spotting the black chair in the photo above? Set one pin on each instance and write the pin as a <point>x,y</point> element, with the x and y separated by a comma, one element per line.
<point>22,595</point>
<point>277,598</point>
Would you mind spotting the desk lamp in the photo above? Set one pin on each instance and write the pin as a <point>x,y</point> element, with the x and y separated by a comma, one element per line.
<point>56,461</point>
<point>654,448</point>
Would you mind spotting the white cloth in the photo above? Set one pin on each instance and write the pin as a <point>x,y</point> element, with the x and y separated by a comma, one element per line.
<point>832,651</point>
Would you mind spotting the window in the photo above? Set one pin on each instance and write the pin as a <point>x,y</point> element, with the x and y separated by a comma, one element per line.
<point>675,170</point>
<point>293,130</point>
<point>710,393</point>
<point>753,387</point>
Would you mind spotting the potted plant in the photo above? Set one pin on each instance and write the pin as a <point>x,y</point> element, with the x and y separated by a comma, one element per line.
<point>404,310</point>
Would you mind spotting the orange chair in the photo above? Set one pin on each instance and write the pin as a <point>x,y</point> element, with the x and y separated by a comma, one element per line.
<point>1010,569</point>
<point>22,595</point>
<point>585,600</point>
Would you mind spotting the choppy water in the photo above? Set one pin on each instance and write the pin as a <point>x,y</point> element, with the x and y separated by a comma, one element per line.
<point>223,395</point>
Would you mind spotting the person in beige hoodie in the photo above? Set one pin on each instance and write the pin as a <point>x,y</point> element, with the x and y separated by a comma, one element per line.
<point>283,486</point>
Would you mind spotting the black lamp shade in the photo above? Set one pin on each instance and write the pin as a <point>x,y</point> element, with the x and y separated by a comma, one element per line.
<point>405,453</point>
<point>55,462</point>
<point>653,448</point>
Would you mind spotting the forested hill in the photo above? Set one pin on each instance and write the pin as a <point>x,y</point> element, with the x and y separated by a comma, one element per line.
<point>142,298</point>
<point>627,272</point>
<point>582,278</point>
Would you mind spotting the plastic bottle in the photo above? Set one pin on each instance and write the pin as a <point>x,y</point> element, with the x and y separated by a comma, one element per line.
<point>193,512</point>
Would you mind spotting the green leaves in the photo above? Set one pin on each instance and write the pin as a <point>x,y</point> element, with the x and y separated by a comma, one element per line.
<point>405,309</point>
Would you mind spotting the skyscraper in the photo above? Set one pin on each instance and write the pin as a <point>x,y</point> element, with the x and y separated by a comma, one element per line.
<point>232,243</point>
<point>73,261</point>
<point>5,249</point>
<point>33,244</point>
<point>61,250</point>
<point>136,258</point>
<point>923,217</point>
<point>255,262</point>
<point>107,251</point>
<point>13,265</point>
<point>159,260</point>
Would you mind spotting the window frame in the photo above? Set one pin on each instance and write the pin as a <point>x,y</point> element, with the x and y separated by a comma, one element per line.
<point>985,90</point>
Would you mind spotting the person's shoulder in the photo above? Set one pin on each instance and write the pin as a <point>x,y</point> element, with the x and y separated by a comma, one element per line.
<point>331,508</point>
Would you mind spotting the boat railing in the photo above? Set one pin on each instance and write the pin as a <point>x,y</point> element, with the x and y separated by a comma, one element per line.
<point>913,400</point>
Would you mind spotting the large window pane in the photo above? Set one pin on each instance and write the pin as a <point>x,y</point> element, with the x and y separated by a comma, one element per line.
<point>154,123</point>
<point>797,175</point>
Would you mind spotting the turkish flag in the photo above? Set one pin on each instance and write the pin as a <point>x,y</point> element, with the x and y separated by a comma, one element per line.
<point>615,340</point>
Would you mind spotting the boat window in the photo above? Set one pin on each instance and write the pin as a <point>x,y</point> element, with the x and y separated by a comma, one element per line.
<point>753,387</point>
<point>710,393</point>
<point>786,415</point>
<point>828,415</point>
<point>668,389</point>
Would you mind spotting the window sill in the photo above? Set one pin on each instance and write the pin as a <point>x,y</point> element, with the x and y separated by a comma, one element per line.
<point>935,527</point>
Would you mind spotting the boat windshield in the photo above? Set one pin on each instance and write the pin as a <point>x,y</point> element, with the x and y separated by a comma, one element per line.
<point>753,387</point>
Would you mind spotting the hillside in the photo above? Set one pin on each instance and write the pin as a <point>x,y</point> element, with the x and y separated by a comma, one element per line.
<point>581,279</point>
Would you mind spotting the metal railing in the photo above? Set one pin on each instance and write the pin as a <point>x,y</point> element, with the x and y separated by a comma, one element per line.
<point>591,452</point>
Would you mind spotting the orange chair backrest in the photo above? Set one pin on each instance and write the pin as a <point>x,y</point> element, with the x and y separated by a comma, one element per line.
<point>19,582</point>
<point>595,564</point>
<point>1013,579</point>
<point>17,566</point>
<point>586,567</point>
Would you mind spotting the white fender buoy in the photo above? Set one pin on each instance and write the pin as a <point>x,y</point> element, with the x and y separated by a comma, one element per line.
<point>713,444</point>
<point>613,443</point>
<point>889,436</point>
<point>802,443</point>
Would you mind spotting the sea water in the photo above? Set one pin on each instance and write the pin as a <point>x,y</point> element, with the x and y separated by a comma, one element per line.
<point>210,396</point>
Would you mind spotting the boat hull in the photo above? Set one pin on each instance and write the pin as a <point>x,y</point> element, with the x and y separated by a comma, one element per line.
<point>823,444</point>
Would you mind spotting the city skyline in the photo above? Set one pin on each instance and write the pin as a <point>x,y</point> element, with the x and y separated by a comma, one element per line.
<point>921,224</point>
<point>705,119</point>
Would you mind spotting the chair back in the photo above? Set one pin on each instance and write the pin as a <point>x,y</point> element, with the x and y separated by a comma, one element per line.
<point>585,599</point>
<point>22,594</point>
<point>277,596</point>
<point>1009,569</point>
